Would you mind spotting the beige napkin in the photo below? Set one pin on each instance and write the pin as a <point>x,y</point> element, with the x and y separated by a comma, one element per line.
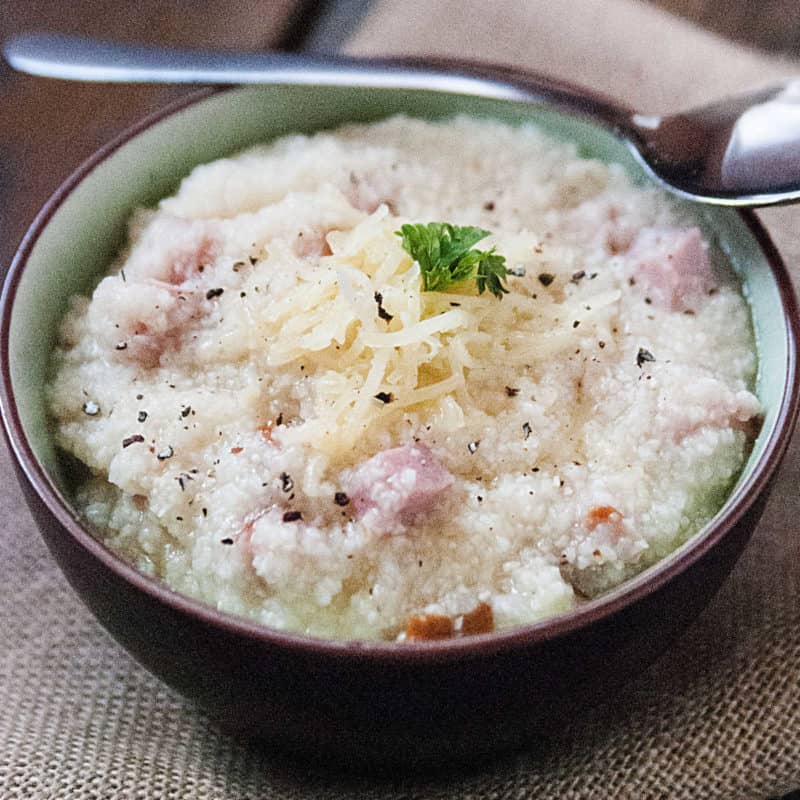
<point>718,717</point>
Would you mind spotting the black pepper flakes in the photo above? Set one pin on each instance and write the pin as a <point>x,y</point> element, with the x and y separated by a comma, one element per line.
<point>488,205</point>
<point>382,312</point>
<point>341,499</point>
<point>575,323</point>
<point>287,484</point>
<point>601,344</point>
<point>91,409</point>
<point>546,278</point>
<point>527,430</point>
<point>576,276</point>
<point>182,478</point>
<point>121,346</point>
<point>384,397</point>
<point>141,416</point>
<point>253,261</point>
<point>292,516</point>
<point>511,392</point>
<point>226,540</point>
<point>643,356</point>
<point>212,293</point>
<point>167,452</point>
<point>135,439</point>
<point>186,411</point>
<point>473,447</point>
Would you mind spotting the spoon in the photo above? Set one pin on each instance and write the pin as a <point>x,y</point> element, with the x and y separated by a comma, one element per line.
<point>743,151</point>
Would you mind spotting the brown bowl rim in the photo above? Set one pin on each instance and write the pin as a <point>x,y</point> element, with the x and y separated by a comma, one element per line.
<point>563,96</point>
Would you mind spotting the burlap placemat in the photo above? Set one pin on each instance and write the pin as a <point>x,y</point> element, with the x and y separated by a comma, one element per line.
<point>718,717</point>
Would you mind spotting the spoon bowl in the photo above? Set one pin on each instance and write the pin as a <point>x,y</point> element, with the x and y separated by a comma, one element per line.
<point>743,151</point>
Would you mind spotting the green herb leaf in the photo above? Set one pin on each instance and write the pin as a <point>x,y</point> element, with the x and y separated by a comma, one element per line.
<point>445,257</point>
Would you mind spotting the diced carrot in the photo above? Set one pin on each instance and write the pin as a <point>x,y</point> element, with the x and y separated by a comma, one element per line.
<point>425,627</point>
<point>600,515</point>
<point>266,430</point>
<point>479,620</point>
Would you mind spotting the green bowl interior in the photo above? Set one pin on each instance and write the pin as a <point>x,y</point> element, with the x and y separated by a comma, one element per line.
<point>87,228</point>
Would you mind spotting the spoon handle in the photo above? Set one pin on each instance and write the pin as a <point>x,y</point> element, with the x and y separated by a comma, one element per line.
<point>84,59</point>
<point>78,58</point>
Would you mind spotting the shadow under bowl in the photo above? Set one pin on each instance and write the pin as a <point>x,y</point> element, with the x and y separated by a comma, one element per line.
<point>363,704</point>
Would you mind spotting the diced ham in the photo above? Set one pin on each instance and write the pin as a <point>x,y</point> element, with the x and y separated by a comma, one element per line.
<point>586,582</point>
<point>174,250</point>
<point>312,243</point>
<point>391,488</point>
<point>138,322</point>
<point>706,402</point>
<point>142,312</point>
<point>671,266</point>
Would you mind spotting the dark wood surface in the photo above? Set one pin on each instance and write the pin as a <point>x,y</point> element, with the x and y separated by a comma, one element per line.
<point>768,24</point>
<point>48,127</point>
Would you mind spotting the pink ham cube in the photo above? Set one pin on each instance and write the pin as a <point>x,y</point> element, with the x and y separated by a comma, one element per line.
<point>671,266</point>
<point>391,488</point>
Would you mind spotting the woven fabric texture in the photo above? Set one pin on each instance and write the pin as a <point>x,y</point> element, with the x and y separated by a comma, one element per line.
<point>717,717</point>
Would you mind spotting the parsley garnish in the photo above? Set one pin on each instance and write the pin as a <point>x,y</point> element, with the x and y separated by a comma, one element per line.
<point>445,257</point>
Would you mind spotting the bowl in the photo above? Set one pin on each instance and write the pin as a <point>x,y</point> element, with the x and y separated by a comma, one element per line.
<point>363,704</point>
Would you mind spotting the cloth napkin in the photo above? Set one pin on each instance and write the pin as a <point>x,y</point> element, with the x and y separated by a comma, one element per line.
<point>717,717</point>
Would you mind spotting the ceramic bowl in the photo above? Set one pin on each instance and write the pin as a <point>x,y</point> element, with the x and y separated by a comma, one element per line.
<point>363,704</point>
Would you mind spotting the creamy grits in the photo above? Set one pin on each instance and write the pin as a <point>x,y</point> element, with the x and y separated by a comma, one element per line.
<point>278,421</point>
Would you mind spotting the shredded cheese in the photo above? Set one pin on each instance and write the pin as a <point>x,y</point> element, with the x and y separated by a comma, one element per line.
<point>422,358</point>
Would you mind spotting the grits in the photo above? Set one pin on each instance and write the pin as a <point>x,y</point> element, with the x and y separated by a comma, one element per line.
<point>279,422</point>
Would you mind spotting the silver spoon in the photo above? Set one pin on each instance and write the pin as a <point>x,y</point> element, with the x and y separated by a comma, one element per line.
<point>744,151</point>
